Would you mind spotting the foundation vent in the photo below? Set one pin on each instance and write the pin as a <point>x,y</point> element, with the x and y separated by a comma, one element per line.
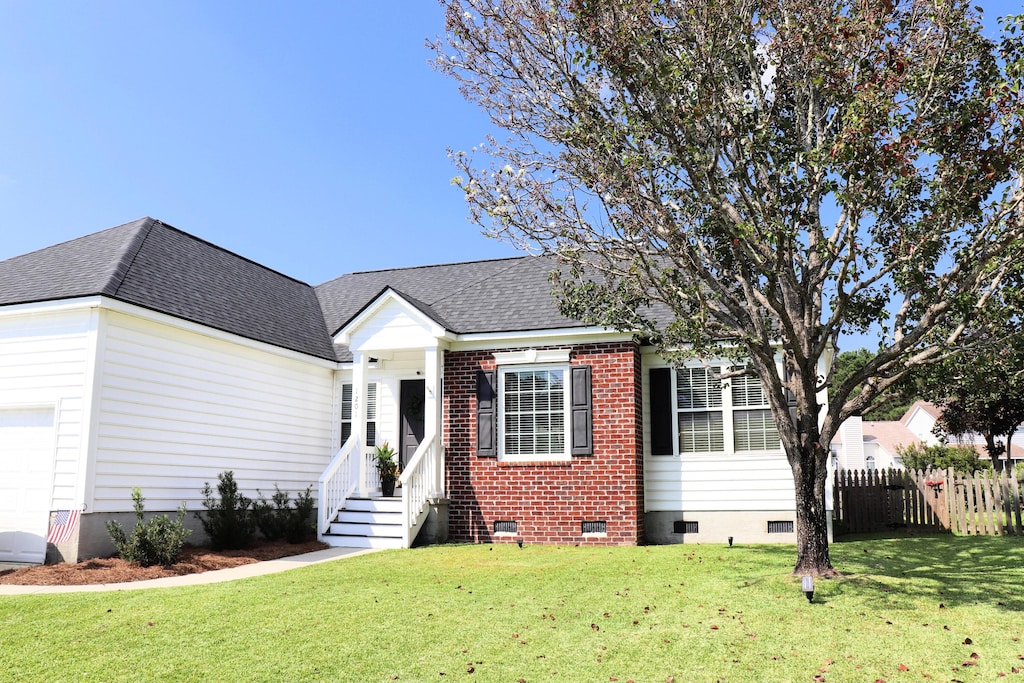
<point>681,527</point>
<point>506,527</point>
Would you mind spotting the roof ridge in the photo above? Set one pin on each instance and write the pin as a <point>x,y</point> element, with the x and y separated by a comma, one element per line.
<point>455,292</point>
<point>127,260</point>
<point>438,265</point>
<point>235,254</point>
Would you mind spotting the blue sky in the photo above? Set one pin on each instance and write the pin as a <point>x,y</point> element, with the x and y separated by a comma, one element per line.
<point>308,136</point>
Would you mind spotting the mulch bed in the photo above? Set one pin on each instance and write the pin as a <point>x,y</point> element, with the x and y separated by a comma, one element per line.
<point>193,560</point>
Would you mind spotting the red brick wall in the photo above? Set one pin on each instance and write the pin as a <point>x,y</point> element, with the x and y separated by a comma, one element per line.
<point>549,500</point>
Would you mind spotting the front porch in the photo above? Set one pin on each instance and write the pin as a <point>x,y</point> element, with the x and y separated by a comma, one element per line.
<point>390,394</point>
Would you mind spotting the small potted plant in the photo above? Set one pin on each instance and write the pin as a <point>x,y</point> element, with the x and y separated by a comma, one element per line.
<point>387,467</point>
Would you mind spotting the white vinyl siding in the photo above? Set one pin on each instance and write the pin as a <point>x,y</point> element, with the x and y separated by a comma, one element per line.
<point>728,478</point>
<point>749,481</point>
<point>179,407</point>
<point>532,413</point>
<point>45,360</point>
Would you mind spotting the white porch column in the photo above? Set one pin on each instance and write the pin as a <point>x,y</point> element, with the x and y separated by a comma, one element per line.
<point>433,365</point>
<point>359,367</point>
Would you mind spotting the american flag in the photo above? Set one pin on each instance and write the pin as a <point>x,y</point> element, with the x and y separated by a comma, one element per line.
<point>63,525</point>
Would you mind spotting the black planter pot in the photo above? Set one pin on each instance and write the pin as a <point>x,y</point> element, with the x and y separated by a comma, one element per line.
<point>387,487</point>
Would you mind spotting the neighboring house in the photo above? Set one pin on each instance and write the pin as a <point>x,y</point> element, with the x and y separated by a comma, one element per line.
<point>874,445</point>
<point>141,356</point>
<point>870,444</point>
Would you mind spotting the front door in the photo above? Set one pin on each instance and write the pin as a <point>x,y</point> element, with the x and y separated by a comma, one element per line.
<point>411,397</point>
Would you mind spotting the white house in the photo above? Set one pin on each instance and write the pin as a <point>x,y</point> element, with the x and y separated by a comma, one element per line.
<point>142,356</point>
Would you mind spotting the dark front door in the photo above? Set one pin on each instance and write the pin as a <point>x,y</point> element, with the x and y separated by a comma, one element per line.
<point>411,395</point>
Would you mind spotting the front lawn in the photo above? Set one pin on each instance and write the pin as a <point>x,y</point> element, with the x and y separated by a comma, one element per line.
<point>938,608</point>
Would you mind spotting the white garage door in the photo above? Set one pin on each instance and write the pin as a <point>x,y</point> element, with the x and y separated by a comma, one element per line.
<point>26,478</point>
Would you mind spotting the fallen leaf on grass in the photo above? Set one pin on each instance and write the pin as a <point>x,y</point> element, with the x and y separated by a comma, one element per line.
<point>902,667</point>
<point>968,641</point>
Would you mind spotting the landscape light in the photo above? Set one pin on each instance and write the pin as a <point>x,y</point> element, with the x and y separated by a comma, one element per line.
<point>807,585</point>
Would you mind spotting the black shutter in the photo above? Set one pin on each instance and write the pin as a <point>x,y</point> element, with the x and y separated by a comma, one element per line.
<point>582,411</point>
<point>487,413</point>
<point>661,411</point>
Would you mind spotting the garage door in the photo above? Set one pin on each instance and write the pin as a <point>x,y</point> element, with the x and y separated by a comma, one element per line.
<point>26,479</point>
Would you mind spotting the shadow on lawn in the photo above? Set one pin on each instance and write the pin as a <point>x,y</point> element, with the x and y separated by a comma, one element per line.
<point>951,570</point>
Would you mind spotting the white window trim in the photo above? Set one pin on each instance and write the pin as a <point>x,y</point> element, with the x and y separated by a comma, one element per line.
<point>566,416</point>
<point>372,408</point>
<point>727,409</point>
<point>530,356</point>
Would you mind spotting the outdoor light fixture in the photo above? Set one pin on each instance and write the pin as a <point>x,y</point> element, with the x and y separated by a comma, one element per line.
<point>730,541</point>
<point>519,541</point>
<point>807,585</point>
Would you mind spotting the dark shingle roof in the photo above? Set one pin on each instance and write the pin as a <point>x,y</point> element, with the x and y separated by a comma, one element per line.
<point>159,267</point>
<point>502,295</point>
<point>156,266</point>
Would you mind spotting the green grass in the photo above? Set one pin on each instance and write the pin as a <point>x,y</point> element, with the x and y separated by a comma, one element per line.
<point>501,613</point>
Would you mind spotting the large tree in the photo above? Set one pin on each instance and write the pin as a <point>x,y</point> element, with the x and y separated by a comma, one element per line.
<point>774,174</point>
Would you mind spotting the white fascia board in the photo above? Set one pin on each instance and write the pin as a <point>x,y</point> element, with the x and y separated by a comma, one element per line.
<point>55,306</point>
<point>197,328</point>
<point>527,338</point>
<point>343,337</point>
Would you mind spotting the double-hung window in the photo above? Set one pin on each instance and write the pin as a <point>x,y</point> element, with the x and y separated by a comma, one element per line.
<point>699,410</point>
<point>371,413</point>
<point>533,408</point>
<point>695,410</point>
<point>753,427</point>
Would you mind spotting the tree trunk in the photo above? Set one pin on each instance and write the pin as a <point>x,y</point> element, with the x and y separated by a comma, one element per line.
<point>809,473</point>
<point>993,452</point>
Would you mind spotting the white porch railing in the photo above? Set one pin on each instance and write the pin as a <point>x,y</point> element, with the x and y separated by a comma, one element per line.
<point>371,481</point>
<point>418,481</point>
<point>338,482</point>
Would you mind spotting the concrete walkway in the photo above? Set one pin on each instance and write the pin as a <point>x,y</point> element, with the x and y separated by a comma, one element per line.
<point>241,572</point>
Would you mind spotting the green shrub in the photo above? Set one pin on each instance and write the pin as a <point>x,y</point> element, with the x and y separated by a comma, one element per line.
<point>278,518</point>
<point>158,541</point>
<point>229,520</point>
<point>962,459</point>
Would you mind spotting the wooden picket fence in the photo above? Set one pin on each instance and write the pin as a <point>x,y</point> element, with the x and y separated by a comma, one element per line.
<point>984,503</point>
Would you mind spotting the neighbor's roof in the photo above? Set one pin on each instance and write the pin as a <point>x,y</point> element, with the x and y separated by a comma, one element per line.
<point>154,265</point>
<point>929,408</point>
<point>890,435</point>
